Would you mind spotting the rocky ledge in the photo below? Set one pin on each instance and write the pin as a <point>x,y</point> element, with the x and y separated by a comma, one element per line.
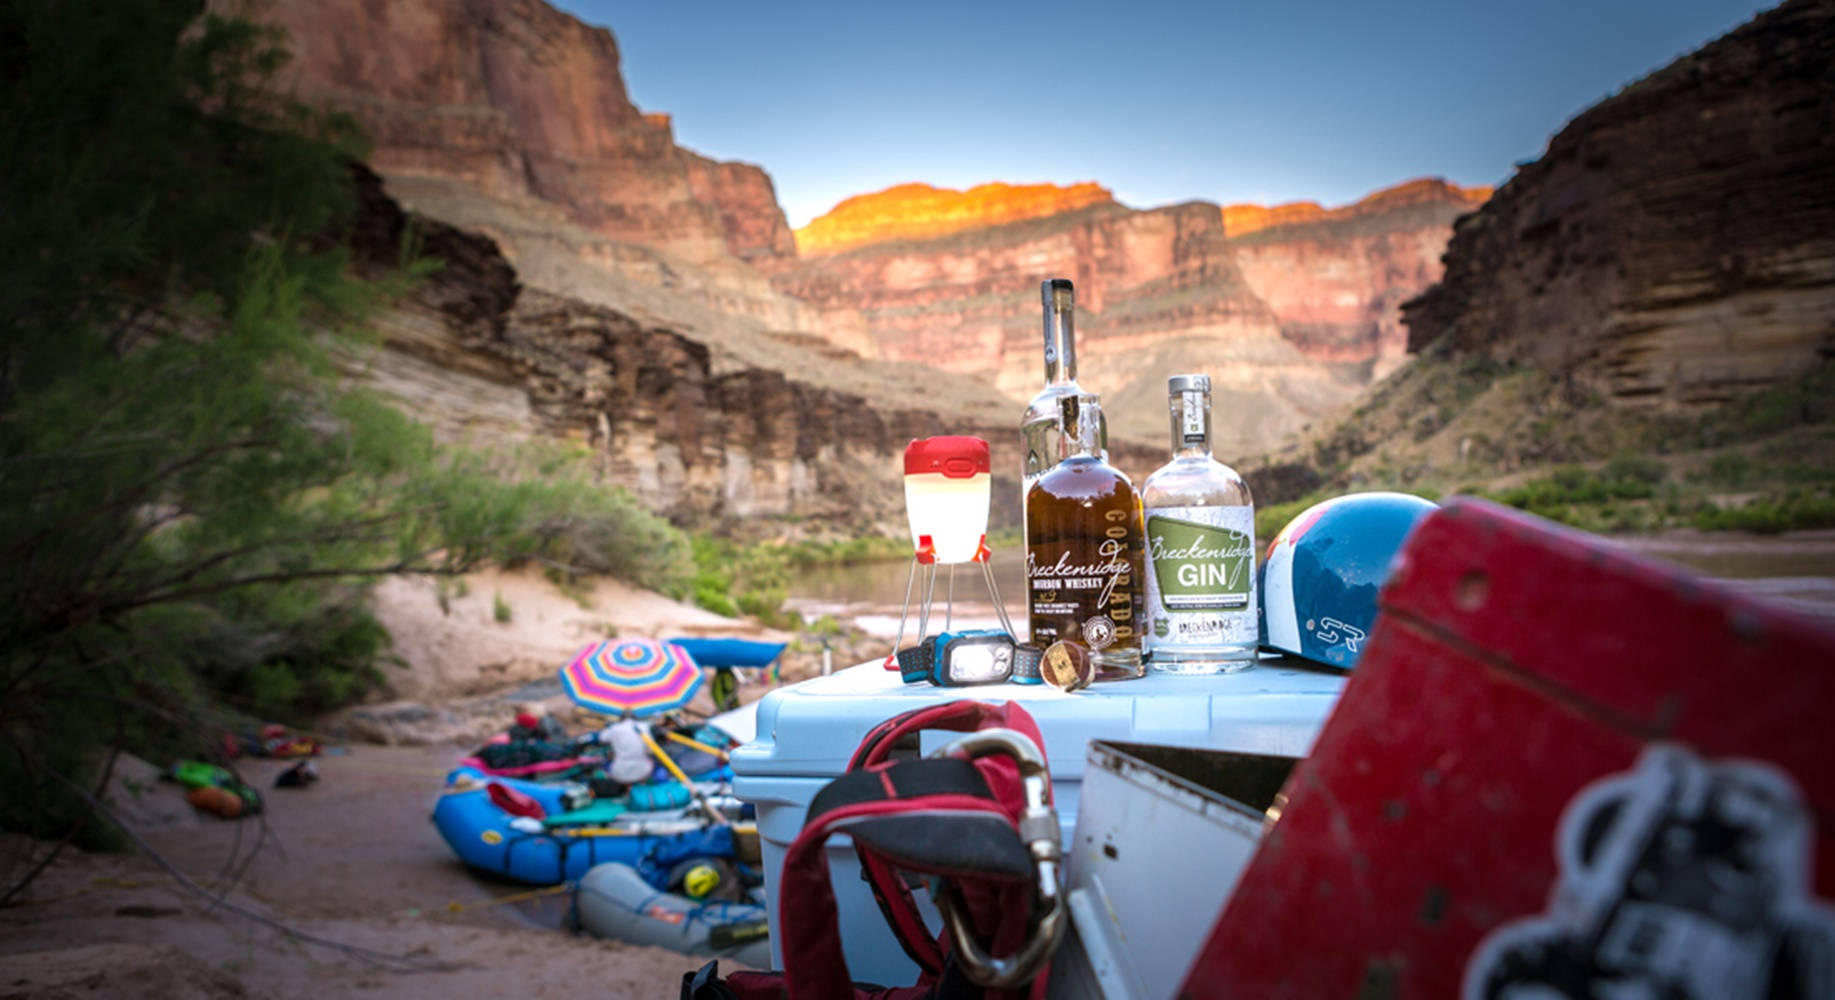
<point>1676,243</point>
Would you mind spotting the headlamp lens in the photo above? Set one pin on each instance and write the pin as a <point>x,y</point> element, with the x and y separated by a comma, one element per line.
<point>978,662</point>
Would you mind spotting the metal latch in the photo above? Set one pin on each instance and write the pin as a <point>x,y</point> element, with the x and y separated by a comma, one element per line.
<point>1038,828</point>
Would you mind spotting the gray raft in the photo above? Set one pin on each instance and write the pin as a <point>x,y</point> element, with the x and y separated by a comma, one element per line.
<point>615,902</point>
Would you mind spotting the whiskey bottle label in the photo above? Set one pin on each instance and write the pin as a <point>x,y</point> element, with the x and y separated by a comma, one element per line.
<point>1087,590</point>
<point>1200,576</point>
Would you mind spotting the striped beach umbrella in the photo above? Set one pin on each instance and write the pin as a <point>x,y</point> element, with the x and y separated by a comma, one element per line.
<point>634,677</point>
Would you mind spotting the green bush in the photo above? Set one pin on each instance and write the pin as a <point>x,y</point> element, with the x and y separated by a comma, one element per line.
<point>500,609</point>
<point>1271,519</point>
<point>1794,511</point>
<point>1636,469</point>
<point>192,502</point>
<point>1729,469</point>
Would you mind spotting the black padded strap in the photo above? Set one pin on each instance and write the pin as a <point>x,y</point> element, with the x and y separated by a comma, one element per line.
<point>904,779</point>
<point>948,842</point>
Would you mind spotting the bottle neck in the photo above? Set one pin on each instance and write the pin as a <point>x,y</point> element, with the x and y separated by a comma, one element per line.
<point>1191,423</point>
<point>1060,339</point>
<point>1082,427</point>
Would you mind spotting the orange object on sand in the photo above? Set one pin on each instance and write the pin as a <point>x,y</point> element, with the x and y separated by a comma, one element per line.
<point>212,799</point>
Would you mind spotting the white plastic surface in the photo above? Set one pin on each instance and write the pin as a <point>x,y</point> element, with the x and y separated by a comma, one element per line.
<point>953,512</point>
<point>1141,834</point>
<point>807,732</point>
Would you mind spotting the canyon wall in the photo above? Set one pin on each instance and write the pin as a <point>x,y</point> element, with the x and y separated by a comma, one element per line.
<point>920,211</point>
<point>1290,317</point>
<point>1336,278</point>
<point>485,360</point>
<point>511,117</point>
<point>1676,242</point>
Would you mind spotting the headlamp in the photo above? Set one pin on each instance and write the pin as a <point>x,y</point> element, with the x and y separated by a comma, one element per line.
<point>971,656</point>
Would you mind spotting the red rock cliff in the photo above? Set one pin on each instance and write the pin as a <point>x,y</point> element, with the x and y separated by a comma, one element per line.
<point>919,211</point>
<point>1676,242</point>
<point>1288,318</point>
<point>514,98</point>
<point>1336,278</point>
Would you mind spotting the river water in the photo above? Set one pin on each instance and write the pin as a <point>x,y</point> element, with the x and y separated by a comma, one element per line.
<point>1796,569</point>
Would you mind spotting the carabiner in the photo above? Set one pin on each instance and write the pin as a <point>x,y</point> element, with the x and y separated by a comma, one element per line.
<point>1038,827</point>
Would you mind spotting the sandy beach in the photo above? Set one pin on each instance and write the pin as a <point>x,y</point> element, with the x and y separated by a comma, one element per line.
<point>354,859</point>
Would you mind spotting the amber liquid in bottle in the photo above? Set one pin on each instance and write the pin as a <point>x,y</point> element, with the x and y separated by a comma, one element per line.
<point>1084,550</point>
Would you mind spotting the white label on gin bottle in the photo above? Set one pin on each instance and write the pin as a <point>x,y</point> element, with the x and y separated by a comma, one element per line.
<point>1200,576</point>
<point>1192,417</point>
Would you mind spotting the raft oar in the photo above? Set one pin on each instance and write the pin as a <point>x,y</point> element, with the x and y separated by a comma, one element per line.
<point>696,744</point>
<point>670,766</point>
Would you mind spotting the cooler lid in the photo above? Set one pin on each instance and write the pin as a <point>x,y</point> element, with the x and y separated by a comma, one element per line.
<point>955,457</point>
<point>811,728</point>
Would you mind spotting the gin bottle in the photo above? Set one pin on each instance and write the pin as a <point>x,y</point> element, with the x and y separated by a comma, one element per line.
<point>1041,429</point>
<point>1200,526</point>
<point>1083,549</point>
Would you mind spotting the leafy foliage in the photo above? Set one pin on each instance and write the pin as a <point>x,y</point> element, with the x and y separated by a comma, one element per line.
<point>192,504</point>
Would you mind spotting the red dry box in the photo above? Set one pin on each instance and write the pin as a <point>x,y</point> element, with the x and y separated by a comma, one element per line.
<point>1558,770</point>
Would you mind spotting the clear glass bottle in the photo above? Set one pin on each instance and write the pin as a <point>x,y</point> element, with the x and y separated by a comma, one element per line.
<point>1041,428</point>
<point>1083,549</point>
<point>1200,541</point>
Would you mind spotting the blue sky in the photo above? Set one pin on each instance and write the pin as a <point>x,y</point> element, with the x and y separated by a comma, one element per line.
<point>1160,101</point>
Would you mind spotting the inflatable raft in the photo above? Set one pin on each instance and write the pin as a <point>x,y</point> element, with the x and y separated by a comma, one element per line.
<point>730,652</point>
<point>557,845</point>
<point>614,901</point>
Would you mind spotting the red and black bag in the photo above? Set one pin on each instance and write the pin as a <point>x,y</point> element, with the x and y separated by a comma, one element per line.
<point>974,821</point>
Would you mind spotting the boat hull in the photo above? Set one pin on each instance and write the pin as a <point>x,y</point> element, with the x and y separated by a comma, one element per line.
<point>483,837</point>
<point>613,901</point>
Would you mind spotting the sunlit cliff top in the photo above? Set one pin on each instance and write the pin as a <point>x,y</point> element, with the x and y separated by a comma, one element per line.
<point>920,211</point>
<point>1241,220</point>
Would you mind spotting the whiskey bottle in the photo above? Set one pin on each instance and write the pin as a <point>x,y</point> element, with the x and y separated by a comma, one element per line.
<point>1041,429</point>
<point>1083,549</point>
<point>1200,524</point>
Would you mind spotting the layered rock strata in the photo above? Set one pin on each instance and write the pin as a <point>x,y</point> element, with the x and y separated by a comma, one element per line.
<point>481,111</point>
<point>1336,278</point>
<point>1676,243</point>
<point>699,439</point>
<point>920,211</point>
<point>1289,319</point>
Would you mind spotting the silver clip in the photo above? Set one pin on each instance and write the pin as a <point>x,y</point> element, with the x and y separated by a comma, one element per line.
<point>1038,825</point>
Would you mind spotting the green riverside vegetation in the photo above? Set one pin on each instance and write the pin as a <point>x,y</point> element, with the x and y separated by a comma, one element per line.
<point>1763,461</point>
<point>193,501</point>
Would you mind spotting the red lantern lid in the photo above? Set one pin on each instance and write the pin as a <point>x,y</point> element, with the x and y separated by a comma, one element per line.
<point>953,457</point>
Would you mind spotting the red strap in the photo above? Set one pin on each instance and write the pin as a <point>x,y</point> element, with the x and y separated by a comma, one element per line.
<point>814,963</point>
<point>814,966</point>
<point>962,716</point>
<point>514,802</point>
<point>901,912</point>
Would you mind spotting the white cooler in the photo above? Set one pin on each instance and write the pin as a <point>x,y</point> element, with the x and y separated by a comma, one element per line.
<point>807,732</point>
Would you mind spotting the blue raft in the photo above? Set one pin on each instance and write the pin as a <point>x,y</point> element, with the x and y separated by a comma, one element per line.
<point>484,837</point>
<point>730,652</point>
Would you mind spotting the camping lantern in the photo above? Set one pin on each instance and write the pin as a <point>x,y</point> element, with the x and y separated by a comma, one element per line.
<point>947,490</point>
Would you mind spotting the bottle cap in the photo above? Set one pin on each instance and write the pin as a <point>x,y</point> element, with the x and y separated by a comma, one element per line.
<point>1067,666</point>
<point>1188,383</point>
